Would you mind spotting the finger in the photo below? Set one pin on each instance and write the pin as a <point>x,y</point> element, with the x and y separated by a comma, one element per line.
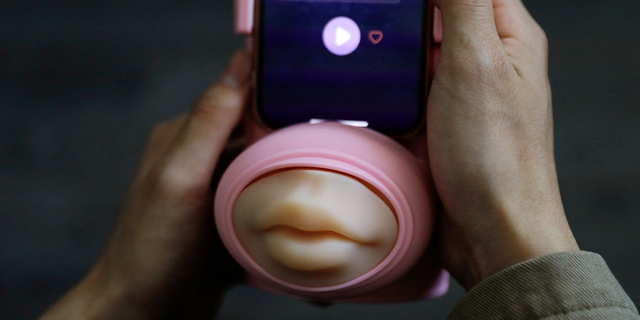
<point>194,153</point>
<point>467,25</point>
<point>158,143</point>
<point>523,39</point>
<point>511,17</point>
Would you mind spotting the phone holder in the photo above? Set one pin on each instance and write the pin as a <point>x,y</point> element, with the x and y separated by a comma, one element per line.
<point>329,212</point>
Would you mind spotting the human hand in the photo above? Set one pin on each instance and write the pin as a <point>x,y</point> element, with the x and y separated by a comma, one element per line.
<point>164,255</point>
<point>490,141</point>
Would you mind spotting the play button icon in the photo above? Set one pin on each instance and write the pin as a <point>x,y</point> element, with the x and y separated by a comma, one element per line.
<point>341,36</point>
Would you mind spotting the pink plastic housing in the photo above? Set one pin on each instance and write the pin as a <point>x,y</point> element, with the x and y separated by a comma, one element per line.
<point>244,14</point>
<point>437,25</point>
<point>425,280</point>
<point>365,155</point>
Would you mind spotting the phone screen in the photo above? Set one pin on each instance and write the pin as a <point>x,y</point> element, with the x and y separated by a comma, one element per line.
<point>361,61</point>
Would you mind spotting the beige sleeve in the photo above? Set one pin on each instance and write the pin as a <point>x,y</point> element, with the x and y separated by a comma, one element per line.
<point>568,285</point>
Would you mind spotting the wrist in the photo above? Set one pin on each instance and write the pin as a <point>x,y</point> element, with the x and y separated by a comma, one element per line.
<point>514,243</point>
<point>97,297</point>
<point>501,220</point>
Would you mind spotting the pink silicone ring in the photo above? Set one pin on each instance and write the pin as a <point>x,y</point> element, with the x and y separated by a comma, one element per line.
<point>361,153</point>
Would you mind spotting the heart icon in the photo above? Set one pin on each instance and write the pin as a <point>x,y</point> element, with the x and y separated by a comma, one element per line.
<point>375,36</point>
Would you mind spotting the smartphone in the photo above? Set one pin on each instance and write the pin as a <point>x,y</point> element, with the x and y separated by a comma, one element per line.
<point>360,62</point>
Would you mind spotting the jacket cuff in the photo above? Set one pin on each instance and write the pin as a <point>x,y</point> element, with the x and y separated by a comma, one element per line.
<point>567,285</point>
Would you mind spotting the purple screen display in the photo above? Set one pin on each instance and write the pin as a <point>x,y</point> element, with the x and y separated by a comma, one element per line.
<point>360,60</point>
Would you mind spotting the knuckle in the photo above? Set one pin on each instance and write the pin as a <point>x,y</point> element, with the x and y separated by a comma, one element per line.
<point>539,36</point>
<point>543,39</point>
<point>217,101</point>
<point>172,182</point>
<point>477,57</point>
<point>166,127</point>
<point>489,68</point>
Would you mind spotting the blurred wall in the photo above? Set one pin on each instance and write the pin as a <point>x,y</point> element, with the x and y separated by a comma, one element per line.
<point>83,82</point>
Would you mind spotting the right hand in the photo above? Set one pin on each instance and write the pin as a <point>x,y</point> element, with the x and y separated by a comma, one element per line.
<point>490,141</point>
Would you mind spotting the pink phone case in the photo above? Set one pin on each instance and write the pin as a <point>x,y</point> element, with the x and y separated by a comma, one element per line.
<point>411,271</point>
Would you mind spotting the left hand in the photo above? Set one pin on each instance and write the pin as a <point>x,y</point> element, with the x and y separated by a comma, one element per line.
<point>165,256</point>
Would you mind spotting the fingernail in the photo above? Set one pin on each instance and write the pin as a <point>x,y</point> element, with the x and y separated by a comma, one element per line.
<point>237,73</point>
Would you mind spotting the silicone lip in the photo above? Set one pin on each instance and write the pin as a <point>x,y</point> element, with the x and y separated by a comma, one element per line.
<point>393,168</point>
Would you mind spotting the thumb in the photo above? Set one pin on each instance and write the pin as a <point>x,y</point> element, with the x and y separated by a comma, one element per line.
<point>194,153</point>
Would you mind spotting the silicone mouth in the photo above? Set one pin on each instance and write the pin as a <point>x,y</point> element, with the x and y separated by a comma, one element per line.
<point>314,228</point>
<point>386,170</point>
<point>311,213</point>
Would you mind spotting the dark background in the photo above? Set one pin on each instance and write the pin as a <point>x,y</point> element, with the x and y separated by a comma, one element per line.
<point>82,83</point>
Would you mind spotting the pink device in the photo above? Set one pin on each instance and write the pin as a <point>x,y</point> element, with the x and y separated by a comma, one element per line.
<point>411,270</point>
<point>407,273</point>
